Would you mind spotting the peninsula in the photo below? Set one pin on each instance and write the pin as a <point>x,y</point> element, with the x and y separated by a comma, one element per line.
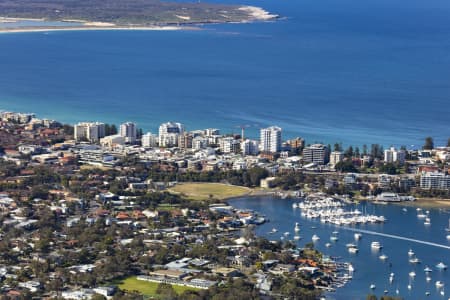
<point>114,14</point>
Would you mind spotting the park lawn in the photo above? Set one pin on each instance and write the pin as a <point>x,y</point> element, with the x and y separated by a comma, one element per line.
<point>204,191</point>
<point>147,288</point>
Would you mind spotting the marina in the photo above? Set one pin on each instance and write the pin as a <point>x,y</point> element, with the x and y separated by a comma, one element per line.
<point>394,268</point>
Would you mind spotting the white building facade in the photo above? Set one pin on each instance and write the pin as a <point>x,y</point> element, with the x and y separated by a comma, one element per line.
<point>270,139</point>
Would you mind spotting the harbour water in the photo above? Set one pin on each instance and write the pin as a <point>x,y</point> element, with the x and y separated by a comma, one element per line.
<point>402,231</point>
<point>357,72</point>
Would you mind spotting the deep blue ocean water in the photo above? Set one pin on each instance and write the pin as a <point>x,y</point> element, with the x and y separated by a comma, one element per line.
<point>357,72</point>
<point>369,268</point>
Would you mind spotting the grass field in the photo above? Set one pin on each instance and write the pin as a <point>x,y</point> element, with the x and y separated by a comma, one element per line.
<point>204,191</point>
<point>146,288</point>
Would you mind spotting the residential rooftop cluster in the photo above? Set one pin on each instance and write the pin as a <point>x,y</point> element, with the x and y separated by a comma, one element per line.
<point>86,209</point>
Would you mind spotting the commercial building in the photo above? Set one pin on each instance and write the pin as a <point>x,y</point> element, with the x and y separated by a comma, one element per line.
<point>89,131</point>
<point>128,131</point>
<point>169,133</point>
<point>185,140</point>
<point>435,180</point>
<point>112,140</point>
<point>316,153</point>
<point>270,139</point>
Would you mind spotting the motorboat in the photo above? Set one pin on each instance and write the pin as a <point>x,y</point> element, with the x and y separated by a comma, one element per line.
<point>353,250</point>
<point>439,284</point>
<point>351,269</point>
<point>294,205</point>
<point>350,245</point>
<point>428,278</point>
<point>414,260</point>
<point>372,286</point>
<point>427,221</point>
<point>274,230</point>
<point>315,238</point>
<point>286,233</point>
<point>427,269</point>
<point>448,237</point>
<point>334,238</point>
<point>357,236</point>
<point>410,252</point>
<point>297,237</point>
<point>383,257</point>
<point>441,266</point>
<point>297,227</point>
<point>328,245</point>
<point>412,274</point>
<point>376,245</point>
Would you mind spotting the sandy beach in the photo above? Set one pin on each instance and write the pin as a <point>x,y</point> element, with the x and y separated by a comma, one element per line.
<point>93,27</point>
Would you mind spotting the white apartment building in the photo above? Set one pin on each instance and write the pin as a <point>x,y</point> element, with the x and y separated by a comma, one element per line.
<point>270,139</point>
<point>169,133</point>
<point>229,145</point>
<point>149,140</point>
<point>89,131</point>
<point>249,147</point>
<point>128,131</point>
<point>336,157</point>
<point>435,180</point>
<point>393,155</point>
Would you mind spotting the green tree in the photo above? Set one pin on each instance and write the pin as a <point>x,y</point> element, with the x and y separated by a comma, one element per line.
<point>429,143</point>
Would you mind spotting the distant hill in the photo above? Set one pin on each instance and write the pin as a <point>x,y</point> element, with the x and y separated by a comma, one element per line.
<point>126,12</point>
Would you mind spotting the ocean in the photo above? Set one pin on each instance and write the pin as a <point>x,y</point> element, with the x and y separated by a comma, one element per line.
<point>355,72</point>
<point>402,222</point>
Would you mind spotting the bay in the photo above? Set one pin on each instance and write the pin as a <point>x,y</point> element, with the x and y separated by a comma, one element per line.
<point>369,269</point>
<point>357,72</point>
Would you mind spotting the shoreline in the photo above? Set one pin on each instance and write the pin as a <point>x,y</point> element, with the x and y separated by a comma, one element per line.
<point>95,28</point>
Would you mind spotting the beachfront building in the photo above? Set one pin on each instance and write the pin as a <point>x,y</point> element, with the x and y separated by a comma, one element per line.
<point>249,147</point>
<point>169,133</point>
<point>149,140</point>
<point>435,180</point>
<point>336,157</point>
<point>270,139</point>
<point>89,131</point>
<point>129,132</point>
<point>316,153</point>
<point>212,132</point>
<point>393,155</point>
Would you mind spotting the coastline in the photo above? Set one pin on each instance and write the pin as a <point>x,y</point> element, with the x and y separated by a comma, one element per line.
<point>95,28</point>
<point>254,14</point>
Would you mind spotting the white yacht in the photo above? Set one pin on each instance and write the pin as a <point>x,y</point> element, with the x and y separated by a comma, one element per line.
<point>427,269</point>
<point>357,236</point>
<point>315,238</point>
<point>427,221</point>
<point>410,252</point>
<point>439,284</point>
<point>412,274</point>
<point>294,205</point>
<point>372,286</point>
<point>353,250</point>
<point>383,257</point>
<point>376,245</point>
<point>297,227</point>
<point>448,237</point>
<point>297,237</point>
<point>441,266</point>
<point>414,260</point>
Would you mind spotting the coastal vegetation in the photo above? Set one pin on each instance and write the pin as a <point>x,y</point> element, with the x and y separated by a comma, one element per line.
<point>126,13</point>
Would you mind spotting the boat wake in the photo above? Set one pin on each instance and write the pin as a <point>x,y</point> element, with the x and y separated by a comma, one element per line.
<point>397,237</point>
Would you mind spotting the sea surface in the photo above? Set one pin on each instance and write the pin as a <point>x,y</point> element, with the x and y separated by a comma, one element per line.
<point>350,71</point>
<point>369,269</point>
